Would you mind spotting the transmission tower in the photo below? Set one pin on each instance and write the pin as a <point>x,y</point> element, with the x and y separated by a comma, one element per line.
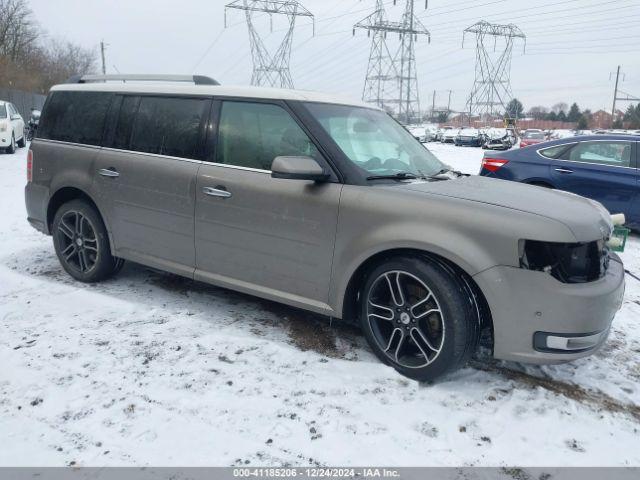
<point>392,80</point>
<point>492,85</point>
<point>270,70</point>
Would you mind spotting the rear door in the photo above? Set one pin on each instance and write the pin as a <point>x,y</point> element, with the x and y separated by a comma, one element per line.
<point>603,170</point>
<point>145,178</point>
<point>254,233</point>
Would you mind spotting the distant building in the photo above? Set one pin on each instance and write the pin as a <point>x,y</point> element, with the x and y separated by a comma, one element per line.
<point>602,119</point>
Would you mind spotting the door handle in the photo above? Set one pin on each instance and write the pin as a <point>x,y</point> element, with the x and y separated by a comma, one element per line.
<point>109,172</point>
<point>563,170</point>
<point>219,191</point>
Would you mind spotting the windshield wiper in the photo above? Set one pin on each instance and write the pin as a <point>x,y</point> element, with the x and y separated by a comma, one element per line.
<point>394,176</point>
<point>441,175</point>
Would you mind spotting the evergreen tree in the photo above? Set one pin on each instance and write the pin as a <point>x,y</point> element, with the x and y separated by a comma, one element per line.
<point>574,113</point>
<point>583,123</point>
<point>514,109</point>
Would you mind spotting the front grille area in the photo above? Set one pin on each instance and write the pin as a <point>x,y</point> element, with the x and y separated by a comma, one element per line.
<point>566,262</point>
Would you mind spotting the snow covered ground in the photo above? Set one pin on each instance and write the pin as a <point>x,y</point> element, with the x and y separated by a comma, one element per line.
<point>152,369</point>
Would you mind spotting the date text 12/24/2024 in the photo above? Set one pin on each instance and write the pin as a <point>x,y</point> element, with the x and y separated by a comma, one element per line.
<point>316,472</point>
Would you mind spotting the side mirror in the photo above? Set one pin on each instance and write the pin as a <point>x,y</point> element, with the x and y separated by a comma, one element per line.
<point>16,116</point>
<point>298,168</point>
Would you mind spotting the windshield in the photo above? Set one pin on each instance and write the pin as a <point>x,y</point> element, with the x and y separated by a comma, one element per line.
<point>374,141</point>
<point>3,111</point>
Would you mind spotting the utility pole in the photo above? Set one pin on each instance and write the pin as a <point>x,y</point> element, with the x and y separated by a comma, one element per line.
<point>104,64</point>
<point>433,106</point>
<point>615,97</point>
<point>618,95</point>
<point>271,70</point>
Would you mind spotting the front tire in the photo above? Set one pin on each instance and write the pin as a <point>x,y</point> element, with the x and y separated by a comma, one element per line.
<point>418,317</point>
<point>11,149</point>
<point>81,242</point>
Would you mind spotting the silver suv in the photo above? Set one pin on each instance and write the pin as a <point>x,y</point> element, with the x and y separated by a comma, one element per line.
<point>322,204</point>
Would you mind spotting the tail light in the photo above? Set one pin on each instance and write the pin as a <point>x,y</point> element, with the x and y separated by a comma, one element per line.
<point>493,164</point>
<point>30,166</point>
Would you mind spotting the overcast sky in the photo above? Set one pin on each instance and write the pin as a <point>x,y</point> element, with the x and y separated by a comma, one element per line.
<point>572,45</point>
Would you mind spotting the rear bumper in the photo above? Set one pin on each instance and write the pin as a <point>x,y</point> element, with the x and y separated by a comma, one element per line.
<point>36,198</point>
<point>537,319</point>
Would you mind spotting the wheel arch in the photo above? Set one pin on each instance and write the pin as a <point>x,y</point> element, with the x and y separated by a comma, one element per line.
<point>66,194</point>
<point>351,296</point>
<point>540,182</point>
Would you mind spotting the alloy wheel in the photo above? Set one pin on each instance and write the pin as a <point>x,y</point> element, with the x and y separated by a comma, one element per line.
<point>406,319</point>
<point>78,241</point>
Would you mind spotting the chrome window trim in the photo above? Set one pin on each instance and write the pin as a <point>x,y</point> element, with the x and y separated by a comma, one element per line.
<point>190,160</point>
<point>630,142</point>
<point>48,140</point>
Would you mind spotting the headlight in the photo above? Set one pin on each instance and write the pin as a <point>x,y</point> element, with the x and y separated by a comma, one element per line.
<point>3,127</point>
<point>566,262</point>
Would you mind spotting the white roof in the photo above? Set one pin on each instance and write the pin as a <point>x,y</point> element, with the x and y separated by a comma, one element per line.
<point>218,90</point>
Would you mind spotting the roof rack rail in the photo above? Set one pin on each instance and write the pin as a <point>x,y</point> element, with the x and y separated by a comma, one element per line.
<point>196,79</point>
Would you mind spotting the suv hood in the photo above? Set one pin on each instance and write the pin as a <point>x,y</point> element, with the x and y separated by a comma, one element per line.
<point>587,219</point>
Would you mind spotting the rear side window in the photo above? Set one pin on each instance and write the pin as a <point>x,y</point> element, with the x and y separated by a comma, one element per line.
<point>126,117</point>
<point>76,117</point>
<point>168,126</point>
<point>554,152</point>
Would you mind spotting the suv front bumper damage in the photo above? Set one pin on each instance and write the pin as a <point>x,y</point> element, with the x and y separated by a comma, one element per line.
<point>538,319</point>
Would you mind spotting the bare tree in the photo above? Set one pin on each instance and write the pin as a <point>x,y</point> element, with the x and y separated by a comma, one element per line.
<point>560,107</point>
<point>538,112</point>
<point>64,59</point>
<point>18,29</point>
<point>29,60</point>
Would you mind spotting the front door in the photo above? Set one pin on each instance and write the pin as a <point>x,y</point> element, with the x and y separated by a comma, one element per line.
<point>145,179</point>
<point>603,170</point>
<point>254,233</point>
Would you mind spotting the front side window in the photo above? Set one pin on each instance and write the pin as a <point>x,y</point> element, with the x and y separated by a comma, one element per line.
<point>3,111</point>
<point>76,117</point>
<point>253,134</point>
<point>373,141</point>
<point>614,153</point>
<point>167,126</point>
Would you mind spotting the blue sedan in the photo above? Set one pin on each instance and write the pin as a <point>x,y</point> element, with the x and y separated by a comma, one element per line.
<point>601,167</point>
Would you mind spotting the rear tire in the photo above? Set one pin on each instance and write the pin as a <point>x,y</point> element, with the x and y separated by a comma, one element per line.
<point>418,317</point>
<point>22,142</point>
<point>82,244</point>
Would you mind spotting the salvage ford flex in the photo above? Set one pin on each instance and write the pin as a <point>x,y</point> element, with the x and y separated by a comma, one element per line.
<point>325,205</point>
